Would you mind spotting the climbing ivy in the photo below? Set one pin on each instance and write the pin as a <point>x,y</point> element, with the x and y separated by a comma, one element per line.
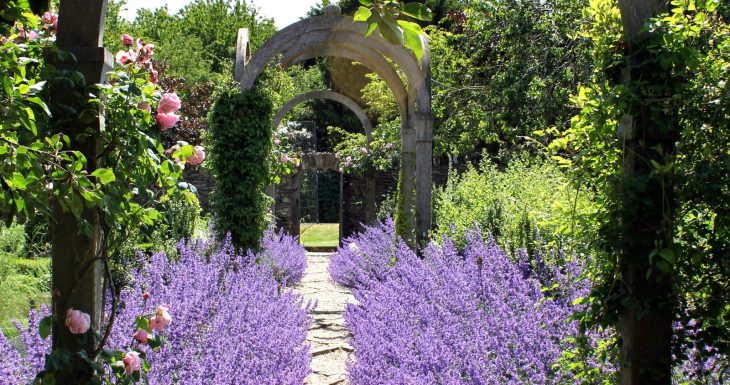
<point>240,127</point>
<point>655,147</point>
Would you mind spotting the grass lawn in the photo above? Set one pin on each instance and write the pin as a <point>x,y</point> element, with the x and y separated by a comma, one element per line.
<point>320,234</point>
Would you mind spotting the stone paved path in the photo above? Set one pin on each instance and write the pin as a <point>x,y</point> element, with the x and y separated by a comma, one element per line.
<point>327,337</point>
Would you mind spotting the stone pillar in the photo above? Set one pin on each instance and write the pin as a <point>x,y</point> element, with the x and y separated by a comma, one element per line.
<point>370,199</point>
<point>406,216</point>
<point>287,196</point>
<point>77,270</point>
<point>424,178</point>
<point>342,207</point>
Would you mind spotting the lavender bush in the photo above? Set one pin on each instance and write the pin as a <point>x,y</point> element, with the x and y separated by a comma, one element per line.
<point>456,318</point>
<point>19,366</point>
<point>284,255</point>
<point>367,257</point>
<point>232,323</point>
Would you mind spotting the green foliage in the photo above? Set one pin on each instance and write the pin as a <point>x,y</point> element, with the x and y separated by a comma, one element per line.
<point>24,283</point>
<point>664,211</point>
<point>380,102</point>
<point>391,19</point>
<point>199,42</point>
<point>240,146</point>
<point>503,69</point>
<point>182,213</point>
<point>531,198</point>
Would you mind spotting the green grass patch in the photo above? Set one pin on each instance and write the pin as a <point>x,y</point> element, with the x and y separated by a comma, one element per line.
<point>319,234</point>
<point>24,284</point>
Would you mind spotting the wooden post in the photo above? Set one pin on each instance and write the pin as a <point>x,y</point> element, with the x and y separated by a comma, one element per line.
<point>77,272</point>
<point>646,320</point>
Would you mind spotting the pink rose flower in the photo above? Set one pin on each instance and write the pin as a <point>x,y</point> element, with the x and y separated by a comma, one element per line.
<point>132,362</point>
<point>348,159</point>
<point>283,159</point>
<point>77,321</point>
<point>141,336</point>
<point>172,150</point>
<point>153,77</point>
<point>127,40</point>
<point>32,35</point>
<point>337,155</point>
<point>277,142</point>
<point>364,151</point>
<point>389,146</point>
<point>162,319</point>
<point>46,18</point>
<point>169,103</point>
<point>198,157</point>
<point>123,58</point>
<point>144,106</point>
<point>54,22</point>
<point>167,120</point>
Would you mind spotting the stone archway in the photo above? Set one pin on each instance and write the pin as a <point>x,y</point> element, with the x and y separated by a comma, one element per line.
<point>339,36</point>
<point>329,95</point>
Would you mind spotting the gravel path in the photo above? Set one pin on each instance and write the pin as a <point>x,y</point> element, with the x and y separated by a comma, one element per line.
<point>327,337</point>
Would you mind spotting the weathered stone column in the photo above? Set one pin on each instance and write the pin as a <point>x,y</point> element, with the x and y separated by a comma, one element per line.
<point>424,178</point>
<point>406,215</point>
<point>287,196</point>
<point>77,270</point>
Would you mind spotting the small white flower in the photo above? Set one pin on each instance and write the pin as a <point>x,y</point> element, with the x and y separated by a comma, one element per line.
<point>353,247</point>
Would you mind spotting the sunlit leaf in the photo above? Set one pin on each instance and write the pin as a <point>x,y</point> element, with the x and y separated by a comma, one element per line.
<point>417,11</point>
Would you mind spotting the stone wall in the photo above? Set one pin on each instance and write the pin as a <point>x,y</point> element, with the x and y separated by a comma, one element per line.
<point>361,195</point>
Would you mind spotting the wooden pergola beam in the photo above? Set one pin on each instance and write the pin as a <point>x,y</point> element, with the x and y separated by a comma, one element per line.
<point>77,271</point>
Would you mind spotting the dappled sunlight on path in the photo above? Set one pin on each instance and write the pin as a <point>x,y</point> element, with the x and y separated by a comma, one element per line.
<point>327,337</point>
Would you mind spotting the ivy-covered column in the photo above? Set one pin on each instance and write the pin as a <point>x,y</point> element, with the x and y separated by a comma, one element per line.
<point>77,246</point>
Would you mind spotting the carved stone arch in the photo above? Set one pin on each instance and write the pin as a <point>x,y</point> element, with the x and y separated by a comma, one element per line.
<point>243,52</point>
<point>372,60</point>
<point>336,35</point>
<point>367,126</point>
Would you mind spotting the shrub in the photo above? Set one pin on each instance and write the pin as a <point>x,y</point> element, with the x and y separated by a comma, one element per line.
<point>20,366</point>
<point>456,318</point>
<point>529,204</point>
<point>182,212</point>
<point>284,256</point>
<point>231,324</point>
<point>240,127</point>
<point>24,283</point>
<point>367,257</point>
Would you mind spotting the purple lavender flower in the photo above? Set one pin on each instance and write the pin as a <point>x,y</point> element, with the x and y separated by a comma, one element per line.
<point>367,257</point>
<point>469,317</point>
<point>230,322</point>
<point>284,255</point>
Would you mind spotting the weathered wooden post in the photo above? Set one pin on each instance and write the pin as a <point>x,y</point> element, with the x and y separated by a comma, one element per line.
<point>646,320</point>
<point>77,270</point>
